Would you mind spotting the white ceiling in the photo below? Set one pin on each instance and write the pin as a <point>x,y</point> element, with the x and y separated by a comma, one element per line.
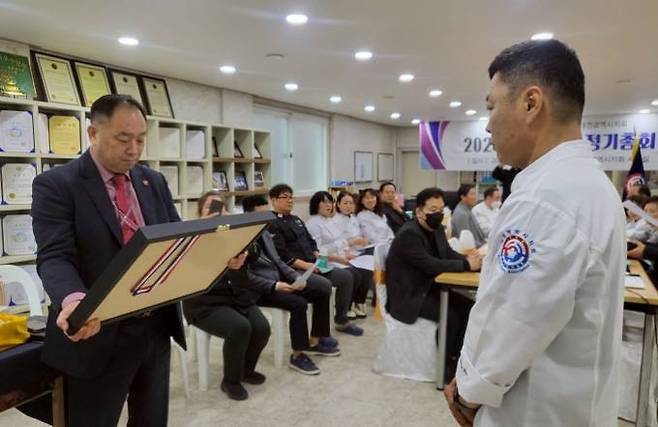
<point>446,44</point>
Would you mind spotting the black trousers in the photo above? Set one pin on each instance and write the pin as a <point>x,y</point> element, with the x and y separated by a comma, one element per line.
<point>459,308</point>
<point>363,281</point>
<point>138,369</point>
<point>316,292</point>
<point>343,281</point>
<point>245,336</point>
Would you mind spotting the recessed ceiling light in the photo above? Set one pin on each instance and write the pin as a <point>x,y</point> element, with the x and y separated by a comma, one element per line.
<point>435,93</point>
<point>455,104</point>
<point>369,108</point>
<point>336,99</point>
<point>483,118</point>
<point>415,122</point>
<point>645,111</point>
<point>128,41</point>
<point>406,77</point>
<point>470,112</point>
<point>277,56</point>
<point>654,102</point>
<point>542,36</point>
<point>291,87</point>
<point>297,19</point>
<point>228,69</point>
<point>395,116</point>
<point>363,55</point>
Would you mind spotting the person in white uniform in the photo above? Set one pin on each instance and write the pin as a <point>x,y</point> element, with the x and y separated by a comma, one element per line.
<point>543,340</point>
<point>370,213</point>
<point>486,211</point>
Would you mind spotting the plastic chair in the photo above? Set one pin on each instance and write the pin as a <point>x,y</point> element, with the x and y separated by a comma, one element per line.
<point>14,274</point>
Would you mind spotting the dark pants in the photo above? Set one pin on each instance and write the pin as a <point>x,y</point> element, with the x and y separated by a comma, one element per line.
<point>316,292</point>
<point>363,281</point>
<point>138,368</point>
<point>343,281</point>
<point>245,336</point>
<point>459,308</point>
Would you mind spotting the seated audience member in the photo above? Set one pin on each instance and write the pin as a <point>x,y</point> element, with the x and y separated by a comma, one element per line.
<point>395,216</point>
<point>418,254</point>
<point>371,218</point>
<point>229,311</point>
<point>505,174</point>
<point>276,277</point>
<point>633,220</point>
<point>486,211</point>
<point>639,189</point>
<point>330,241</point>
<point>297,248</point>
<point>643,230</point>
<point>463,218</point>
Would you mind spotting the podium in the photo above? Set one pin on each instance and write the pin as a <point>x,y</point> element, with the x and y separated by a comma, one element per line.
<point>165,263</point>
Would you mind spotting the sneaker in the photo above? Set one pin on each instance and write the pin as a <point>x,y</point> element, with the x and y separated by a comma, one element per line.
<point>234,391</point>
<point>329,341</point>
<point>320,350</point>
<point>303,364</point>
<point>350,328</point>
<point>360,311</point>
<point>351,315</point>
<point>255,378</point>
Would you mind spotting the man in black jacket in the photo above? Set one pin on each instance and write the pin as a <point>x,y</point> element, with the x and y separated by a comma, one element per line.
<point>419,253</point>
<point>266,268</point>
<point>395,216</point>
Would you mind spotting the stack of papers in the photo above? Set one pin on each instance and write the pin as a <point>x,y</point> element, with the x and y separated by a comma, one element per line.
<point>634,282</point>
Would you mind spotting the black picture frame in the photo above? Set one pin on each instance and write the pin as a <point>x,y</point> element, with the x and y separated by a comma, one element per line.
<point>237,152</point>
<point>135,91</point>
<point>84,96</point>
<point>42,86</point>
<point>257,153</point>
<point>152,106</point>
<point>240,181</point>
<point>259,179</point>
<point>220,180</point>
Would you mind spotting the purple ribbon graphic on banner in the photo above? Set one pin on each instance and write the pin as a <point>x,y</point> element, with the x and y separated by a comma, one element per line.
<point>431,137</point>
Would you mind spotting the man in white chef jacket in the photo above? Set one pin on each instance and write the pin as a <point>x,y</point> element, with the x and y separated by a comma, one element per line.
<point>543,339</point>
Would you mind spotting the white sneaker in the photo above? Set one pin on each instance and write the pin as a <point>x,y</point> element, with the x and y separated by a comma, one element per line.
<point>360,311</point>
<point>351,315</point>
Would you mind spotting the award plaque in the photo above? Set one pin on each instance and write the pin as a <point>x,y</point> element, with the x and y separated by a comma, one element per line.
<point>166,263</point>
<point>64,132</point>
<point>16,131</point>
<point>16,76</point>
<point>17,183</point>
<point>157,97</point>
<point>57,79</point>
<point>126,84</point>
<point>93,82</point>
<point>17,235</point>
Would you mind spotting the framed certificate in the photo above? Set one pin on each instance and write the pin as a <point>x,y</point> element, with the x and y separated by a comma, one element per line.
<point>16,131</point>
<point>157,97</point>
<point>17,235</point>
<point>64,133</point>
<point>17,183</point>
<point>93,82</point>
<point>125,84</point>
<point>57,79</point>
<point>16,76</point>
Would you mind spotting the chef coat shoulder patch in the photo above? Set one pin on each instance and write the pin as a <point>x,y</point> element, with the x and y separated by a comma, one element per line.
<point>516,251</point>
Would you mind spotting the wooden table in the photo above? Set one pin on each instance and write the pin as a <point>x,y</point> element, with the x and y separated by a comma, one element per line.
<point>643,300</point>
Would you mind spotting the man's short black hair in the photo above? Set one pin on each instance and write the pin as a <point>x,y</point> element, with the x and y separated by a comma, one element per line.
<point>104,107</point>
<point>550,64</point>
<point>381,187</point>
<point>426,194</point>
<point>464,189</point>
<point>250,203</point>
<point>489,192</point>
<point>279,189</point>
<point>318,197</point>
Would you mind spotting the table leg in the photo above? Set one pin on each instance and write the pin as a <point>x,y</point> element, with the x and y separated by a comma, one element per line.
<point>59,407</point>
<point>645,369</point>
<point>443,336</point>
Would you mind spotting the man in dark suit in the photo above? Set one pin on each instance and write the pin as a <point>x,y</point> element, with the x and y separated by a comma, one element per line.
<point>83,213</point>
<point>395,216</point>
<point>419,253</point>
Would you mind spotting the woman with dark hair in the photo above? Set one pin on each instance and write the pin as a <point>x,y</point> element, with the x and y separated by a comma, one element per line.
<point>229,311</point>
<point>371,217</point>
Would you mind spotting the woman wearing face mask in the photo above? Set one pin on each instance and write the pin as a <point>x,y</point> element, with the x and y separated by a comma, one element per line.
<point>371,218</point>
<point>418,254</point>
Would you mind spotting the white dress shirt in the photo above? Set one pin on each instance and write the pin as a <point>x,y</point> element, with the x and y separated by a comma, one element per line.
<point>485,216</point>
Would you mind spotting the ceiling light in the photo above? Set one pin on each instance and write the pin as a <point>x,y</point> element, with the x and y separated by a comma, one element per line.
<point>455,104</point>
<point>369,108</point>
<point>542,36</point>
<point>363,55</point>
<point>645,111</point>
<point>228,69</point>
<point>484,118</point>
<point>395,116</point>
<point>406,77</point>
<point>654,102</point>
<point>415,122</point>
<point>470,112</point>
<point>128,41</point>
<point>336,99</point>
<point>435,93</point>
<point>297,19</point>
<point>291,87</point>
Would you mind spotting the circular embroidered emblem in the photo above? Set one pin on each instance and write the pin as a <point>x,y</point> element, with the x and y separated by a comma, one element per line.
<point>514,256</point>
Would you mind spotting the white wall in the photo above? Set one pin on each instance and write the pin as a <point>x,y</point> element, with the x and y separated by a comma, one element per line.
<point>195,102</point>
<point>237,109</point>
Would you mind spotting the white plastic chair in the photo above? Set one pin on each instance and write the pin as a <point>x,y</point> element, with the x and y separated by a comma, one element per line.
<point>408,351</point>
<point>14,274</point>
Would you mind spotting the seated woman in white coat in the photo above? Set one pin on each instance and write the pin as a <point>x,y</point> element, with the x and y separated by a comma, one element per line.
<point>330,241</point>
<point>371,218</point>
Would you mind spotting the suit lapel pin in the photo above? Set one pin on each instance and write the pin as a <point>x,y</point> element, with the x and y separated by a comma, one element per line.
<point>145,182</point>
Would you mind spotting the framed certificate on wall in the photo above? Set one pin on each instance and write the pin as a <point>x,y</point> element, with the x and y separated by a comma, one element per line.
<point>57,79</point>
<point>93,82</point>
<point>157,97</point>
<point>16,76</point>
<point>125,84</point>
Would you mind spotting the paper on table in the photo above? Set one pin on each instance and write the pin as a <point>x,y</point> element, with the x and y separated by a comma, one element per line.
<point>367,262</point>
<point>634,282</point>
<point>639,211</point>
<point>297,284</point>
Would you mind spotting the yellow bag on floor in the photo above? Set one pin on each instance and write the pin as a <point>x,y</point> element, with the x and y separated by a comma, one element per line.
<point>13,331</point>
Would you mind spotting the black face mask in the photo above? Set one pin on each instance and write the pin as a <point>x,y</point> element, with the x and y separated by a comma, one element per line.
<point>434,220</point>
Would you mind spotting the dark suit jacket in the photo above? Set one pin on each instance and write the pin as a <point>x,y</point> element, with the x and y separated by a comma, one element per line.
<point>267,268</point>
<point>394,219</point>
<point>411,266</point>
<point>77,236</point>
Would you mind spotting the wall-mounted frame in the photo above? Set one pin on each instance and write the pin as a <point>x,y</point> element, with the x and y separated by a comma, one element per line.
<point>124,83</point>
<point>384,167</point>
<point>56,78</point>
<point>363,166</point>
<point>92,80</point>
<point>157,97</point>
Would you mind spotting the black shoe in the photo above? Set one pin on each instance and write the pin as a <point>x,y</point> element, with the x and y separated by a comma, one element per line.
<point>321,350</point>
<point>234,391</point>
<point>255,378</point>
<point>303,364</point>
